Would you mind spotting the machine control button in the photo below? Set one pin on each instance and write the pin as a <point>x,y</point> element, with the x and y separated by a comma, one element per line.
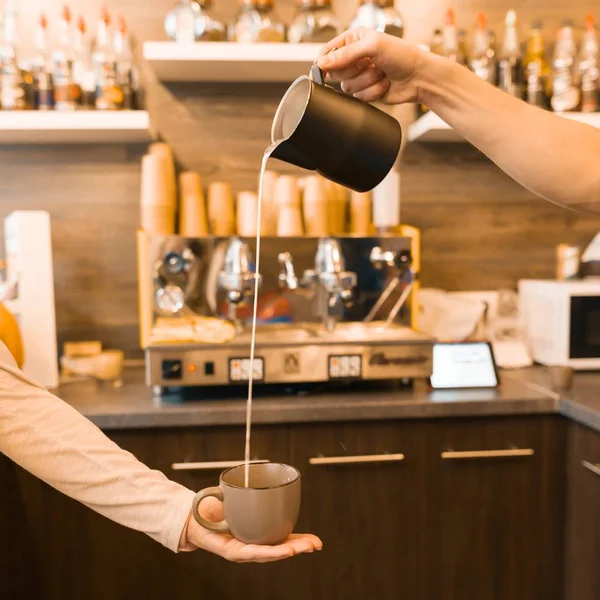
<point>209,368</point>
<point>172,369</point>
<point>345,366</point>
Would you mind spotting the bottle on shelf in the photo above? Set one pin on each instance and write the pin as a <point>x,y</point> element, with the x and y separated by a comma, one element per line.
<point>482,61</point>
<point>109,95</point>
<point>41,68</point>
<point>207,27</point>
<point>67,93</point>
<point>379,15</point>
<point>536,69</point>
<point>588,67</point>
<point>257,22</point>
<point>314,22</point>
<point>180,23</point>
<point>127,72</point>
<point>83,70</point>
<point>565,93</point>
<point>13,80</point>
<point>510,68</point>
<point>451,47</point>
<point>437,42</point>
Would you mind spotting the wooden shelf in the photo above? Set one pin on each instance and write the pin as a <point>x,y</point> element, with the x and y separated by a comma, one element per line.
<point>230,61</point>
<point>430,128</point>
<point>77,127</point>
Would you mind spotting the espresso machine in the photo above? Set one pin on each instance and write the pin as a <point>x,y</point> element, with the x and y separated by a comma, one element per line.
<point>331,309</point>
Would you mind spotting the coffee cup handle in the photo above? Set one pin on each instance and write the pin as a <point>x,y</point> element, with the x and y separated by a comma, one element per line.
<point>214,492</point>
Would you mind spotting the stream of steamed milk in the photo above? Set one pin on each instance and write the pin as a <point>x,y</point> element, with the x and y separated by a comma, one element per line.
<point>263,167</point>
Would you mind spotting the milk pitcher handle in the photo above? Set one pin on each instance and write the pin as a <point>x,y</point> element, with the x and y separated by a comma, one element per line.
<point>215,492</point>
<point>316,75</point>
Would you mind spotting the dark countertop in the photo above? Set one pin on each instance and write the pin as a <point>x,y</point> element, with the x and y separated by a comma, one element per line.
<point>522,392</point>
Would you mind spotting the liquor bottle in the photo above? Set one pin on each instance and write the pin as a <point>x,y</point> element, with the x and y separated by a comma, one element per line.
<point>462,58</point>
<point>565,94</point>
<point>510,68</point>
<point>437,42</point>
<point>12,82</point>
<point>451,47</point>
<point>257,22</point>
<point>207,27</point>
<point>41,67</point>
<point>589,68</point>
<point>379,15</point>
<point>482,61</point>
<point>127,73</point>
<point>109,95</point>
<point>67,93</point>
<point>83,70</point>
<point>536,69</point>
<point>314,22</point>
<point>180,22</point>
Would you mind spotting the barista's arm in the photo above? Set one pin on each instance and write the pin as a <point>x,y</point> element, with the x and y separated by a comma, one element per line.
<point>553,157</point>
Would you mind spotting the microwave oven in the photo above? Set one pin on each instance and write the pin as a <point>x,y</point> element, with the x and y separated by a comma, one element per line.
<point>561,320</point>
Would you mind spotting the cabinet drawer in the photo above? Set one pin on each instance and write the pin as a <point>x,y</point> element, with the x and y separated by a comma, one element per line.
<point>195,457</point>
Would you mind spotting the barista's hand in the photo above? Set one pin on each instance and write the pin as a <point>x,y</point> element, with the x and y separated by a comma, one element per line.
<point>195,536</point>
<point>373,66</point>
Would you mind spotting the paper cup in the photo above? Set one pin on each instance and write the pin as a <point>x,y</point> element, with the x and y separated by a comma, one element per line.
<point>314,206</point>
<point>192,206</point>
<point>221,209</point>
<point>246,212</point>
<point>158,220</point>
<point>361,210</point>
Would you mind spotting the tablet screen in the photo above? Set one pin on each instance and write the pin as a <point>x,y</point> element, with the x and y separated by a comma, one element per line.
<point>465,365</point>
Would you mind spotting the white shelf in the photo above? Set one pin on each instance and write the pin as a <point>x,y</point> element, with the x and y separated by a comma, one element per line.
<point>77,127</point>
<point>430,128</point>
<point>230,61</point>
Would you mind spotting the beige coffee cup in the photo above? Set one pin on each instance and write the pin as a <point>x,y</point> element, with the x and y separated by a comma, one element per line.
<point>192,206</point>
<point>263,513</point>
<point>361,210</point>
<point>289,215</point>
<point>337,199</point>
<point>156,187</point>
<point>221,209</point>
<point>246,213</point>
<point>166,152</point>
<point>314,206</point>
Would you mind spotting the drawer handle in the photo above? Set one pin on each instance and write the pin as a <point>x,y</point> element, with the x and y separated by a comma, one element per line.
<point>349,460</point>
<point>509,453</point>
<point>212,466</point>
<point>591,467</point>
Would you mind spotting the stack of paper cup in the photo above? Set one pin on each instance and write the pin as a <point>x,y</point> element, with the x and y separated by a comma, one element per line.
<point>221,209</point>
<point>361,209</point>
<point>162,149</point>
<point>337,201</point>
<point>192,207</point>
<point>314,206</point>
<point>287,196</point>
<point>157,210</point>
<point>246,212</point>
<point>269,210</point>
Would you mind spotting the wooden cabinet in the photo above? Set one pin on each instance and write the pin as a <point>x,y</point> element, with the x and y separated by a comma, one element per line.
<point>362,494</point>
<point>492,525</point>
<point>397,519</point>
<point>582,550</point>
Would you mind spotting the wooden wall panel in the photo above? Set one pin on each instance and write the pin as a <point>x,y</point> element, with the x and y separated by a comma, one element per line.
<point>480,230</point>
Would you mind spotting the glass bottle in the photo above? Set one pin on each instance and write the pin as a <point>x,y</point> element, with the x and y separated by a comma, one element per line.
<point>207,27</point>
<point>437,42</point>
<point>41,66</point>
<point>257,22</point>
<point>536,69</point>
<point>565,94</point>
<point>83,70</point>
<point>510,69</point>
<point>127,72</point>
<point>588,66</point>
<point>314,22</point>
<point>12,82</point>
<point>109,95</point>
<point>67,93</point>
<point>379,15</point>
<point>482,60</point>
<point>453,47</point>
<point>180,23</point>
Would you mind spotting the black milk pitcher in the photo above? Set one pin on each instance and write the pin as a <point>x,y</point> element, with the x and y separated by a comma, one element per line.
<point>344,139</point>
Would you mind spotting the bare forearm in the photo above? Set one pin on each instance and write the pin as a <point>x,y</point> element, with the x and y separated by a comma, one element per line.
<point>556,158</point>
